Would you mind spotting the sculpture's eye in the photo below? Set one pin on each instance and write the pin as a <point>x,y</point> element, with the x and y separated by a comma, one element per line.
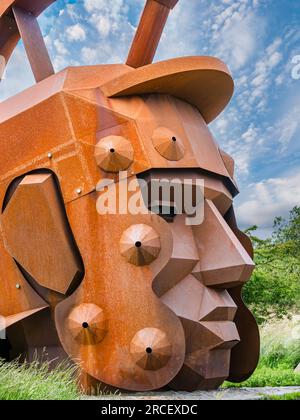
<point>168,144</point>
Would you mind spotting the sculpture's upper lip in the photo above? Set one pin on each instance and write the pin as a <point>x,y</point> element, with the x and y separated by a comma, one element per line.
<point>225,330</point>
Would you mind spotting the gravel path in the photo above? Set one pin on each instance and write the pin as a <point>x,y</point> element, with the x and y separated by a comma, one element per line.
<point>224,394</point>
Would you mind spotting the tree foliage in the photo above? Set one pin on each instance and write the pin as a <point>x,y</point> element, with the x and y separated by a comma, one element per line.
<point>274,288</point>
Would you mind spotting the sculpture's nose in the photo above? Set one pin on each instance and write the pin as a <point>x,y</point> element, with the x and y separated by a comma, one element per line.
<point>224,263</point>
<point>191,300</point>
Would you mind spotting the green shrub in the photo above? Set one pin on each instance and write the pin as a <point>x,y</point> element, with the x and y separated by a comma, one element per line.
<point>274,288</point>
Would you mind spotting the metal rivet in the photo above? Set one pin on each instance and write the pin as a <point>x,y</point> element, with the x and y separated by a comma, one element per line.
<point>50,155</point>
<point>79,191</point>
<point>18,286</point>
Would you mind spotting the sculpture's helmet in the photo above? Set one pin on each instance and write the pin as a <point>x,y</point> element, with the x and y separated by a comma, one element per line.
<point>138,298</point>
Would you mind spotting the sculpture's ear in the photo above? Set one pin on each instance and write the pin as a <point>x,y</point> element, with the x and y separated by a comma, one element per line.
<point>204,82</point>
<point>37,234</point>
<point>245,355</point>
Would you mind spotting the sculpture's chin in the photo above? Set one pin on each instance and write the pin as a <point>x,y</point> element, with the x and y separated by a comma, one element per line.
<point>208,352</point>
<point>206,370</point>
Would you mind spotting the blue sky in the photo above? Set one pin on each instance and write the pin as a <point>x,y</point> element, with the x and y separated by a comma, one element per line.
<point>256,38</point>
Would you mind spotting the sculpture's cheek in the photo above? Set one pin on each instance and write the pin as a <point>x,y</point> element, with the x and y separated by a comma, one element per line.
<point>114,324</point>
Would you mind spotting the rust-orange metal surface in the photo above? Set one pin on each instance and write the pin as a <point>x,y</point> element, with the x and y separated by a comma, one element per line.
<point>149,32</point>
<point>34,44</point>
<point>139,301</point>
<point>9,32</point>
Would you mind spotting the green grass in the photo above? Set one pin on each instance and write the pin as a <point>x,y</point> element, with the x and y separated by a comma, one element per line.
<point>35,382</point>
<point>280,355</point>
<point>287,397</point>
<point>266,376</point>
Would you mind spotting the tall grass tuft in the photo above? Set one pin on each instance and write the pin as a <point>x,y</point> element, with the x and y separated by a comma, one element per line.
<point>280,355</point>
<point>35,381</point>
<point>281,343</point>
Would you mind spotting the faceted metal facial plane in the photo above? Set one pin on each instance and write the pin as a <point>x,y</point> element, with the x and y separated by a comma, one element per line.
<point>138,301</point>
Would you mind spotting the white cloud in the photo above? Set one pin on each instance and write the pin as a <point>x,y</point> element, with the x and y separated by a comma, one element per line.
<point>60,47</point>
<point>252,135</point>
<point>268,199</point>
<point>286,129</point>
<point>113,8</point>
<point>236,30</point>
<point>238,41</point>
<point>88,55</point>
<point>103,24</point>
<point>73,11</point>
<point>76,33</point>
<point>14,80</point>
<point>107,17</point>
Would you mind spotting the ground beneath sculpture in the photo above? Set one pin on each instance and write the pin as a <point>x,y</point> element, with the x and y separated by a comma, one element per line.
<point>223,394</point>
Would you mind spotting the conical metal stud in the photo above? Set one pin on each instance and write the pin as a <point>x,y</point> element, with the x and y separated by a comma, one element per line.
<point>151,349</point>
<point>114,154</point>
<point>87,324</point>
<point>168,144</point>
<point>140,245</point>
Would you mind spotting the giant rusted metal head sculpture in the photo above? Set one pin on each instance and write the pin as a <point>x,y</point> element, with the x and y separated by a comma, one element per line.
<point>139,301</point>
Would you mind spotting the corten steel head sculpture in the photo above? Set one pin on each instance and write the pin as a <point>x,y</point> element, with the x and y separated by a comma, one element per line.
<point>138,301</point>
